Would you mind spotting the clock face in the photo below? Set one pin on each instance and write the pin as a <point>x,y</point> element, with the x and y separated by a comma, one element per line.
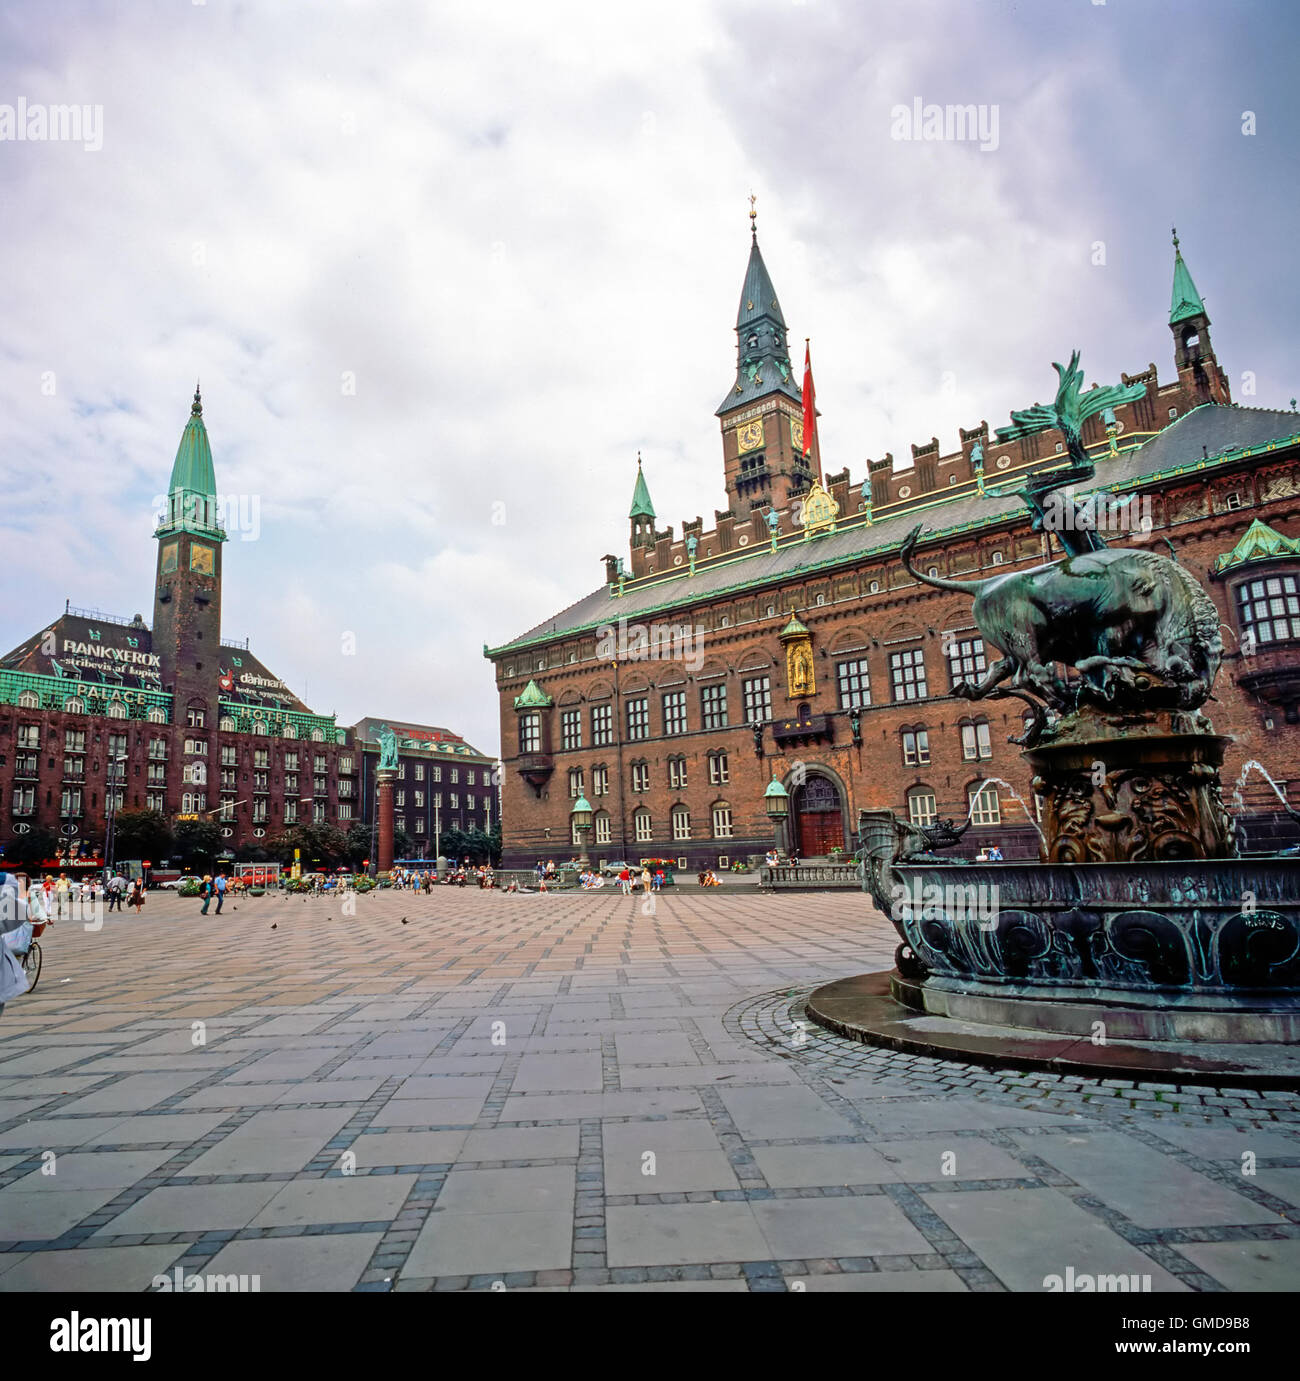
<point>201,559</point>
<point>750,436</point>
<point>796,433</point>
<point>169,557</point>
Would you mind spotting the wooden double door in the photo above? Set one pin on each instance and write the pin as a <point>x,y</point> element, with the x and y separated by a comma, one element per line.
<point>818,817</point>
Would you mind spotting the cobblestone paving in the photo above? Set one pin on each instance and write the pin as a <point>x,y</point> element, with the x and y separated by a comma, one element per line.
<point>476,1091</point>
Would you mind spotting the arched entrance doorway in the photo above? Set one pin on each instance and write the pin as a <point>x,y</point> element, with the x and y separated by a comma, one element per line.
<point>818,817</point>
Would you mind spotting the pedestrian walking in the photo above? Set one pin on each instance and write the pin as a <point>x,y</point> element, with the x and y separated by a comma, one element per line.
<point>645,879</point>
<point>116,891</point>
<point>205,891</point>
<point>220,885</point>
<point>137,895</point>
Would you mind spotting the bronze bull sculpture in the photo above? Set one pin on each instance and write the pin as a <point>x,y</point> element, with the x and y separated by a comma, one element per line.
<point>1135,625</point>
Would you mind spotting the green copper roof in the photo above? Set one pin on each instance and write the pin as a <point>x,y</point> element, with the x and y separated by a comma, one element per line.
<point>1258,543</point>
<point>641,505</point>
<point>1186,301</point>
<point>763,348</point>
<point>796,628</point>
<point>533,698</point>
<point>192,489</point>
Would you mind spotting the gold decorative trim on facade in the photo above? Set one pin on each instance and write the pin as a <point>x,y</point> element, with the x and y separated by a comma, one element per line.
<point>819,510</point>
<point>800,673</point>
<point>749,436</point>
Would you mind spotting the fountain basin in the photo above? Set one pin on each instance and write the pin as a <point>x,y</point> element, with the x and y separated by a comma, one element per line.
<point>1216,926</point>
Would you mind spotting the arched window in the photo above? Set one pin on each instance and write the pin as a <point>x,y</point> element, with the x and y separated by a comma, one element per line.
<point>115,710</point>
<point>681,823</point>
<point>318,736</point>
<point>29,700</point>
<point>259,726</point>
<point>916,746</point>
<point>73,705</point>
<point>602,827</point>
<point>921,806</point>
<point>226,724</point>
<point>975,741</point>
<point>721,820</point>
<point>643,825</point>
<point>157,715</point>
<point>291,731</point>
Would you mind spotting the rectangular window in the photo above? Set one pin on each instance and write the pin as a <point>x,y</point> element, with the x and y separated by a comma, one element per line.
<point>321,763</point>
<point>227,808</point>
<point>719,770</point>
<point>29,736</point>
<point>986,809</point>
<point>259,811</point>
<point>1270,611</point>
<point>681,824</point>
<point>713,705</point>
<point>318,813</point>
<point>916,747</point>
<point>419,798</point>
<point>345,765</point>
<point>455,800</point>
<point>74,740</point>
<point>675,712</point>
<point>469,777</point>
<point>401,770</point>
<point>967,660</point>
<point>455,774</point>
<point>74,768</point>
<point>419,827</point>
<point>419,770</point>
<point>530,733</point>
<point>24,800</point>
<point>854,683</point>
<point>345,813</point>
<point>469,801</point>
<point>291,812</point>
<point>194,718</point>
<point>71,801</point>
<point>196,745</point>
<point>907,671</point>
<point>24,764</point>
<point>571,729</point>
<point>320,786</point>
<point>399,797</point>
<point>638,719</point>
<point>575,783</point>
<point>261,781</point>
<point>644,827</point>
<point>758,699</point>
<point>975,743</point>
<point>640,776</point>
<point>345,788</point>
<point>600,781</point>
<point>261,757</point>
<point>722,822</point>
<point>676,772</point>
<point>158,749</point>
<point>921,807</point>
<point>290,781</point>
<point>602,828</point>
<point>602,725</point>
<point>290,761</point>
<point>435,773</point>
<point>155,800</point>
<point>116,745</point>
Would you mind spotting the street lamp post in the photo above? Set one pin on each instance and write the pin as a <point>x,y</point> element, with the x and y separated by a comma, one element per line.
<point>581,817</point>
<point>777,801</point>
<point>110,828</point>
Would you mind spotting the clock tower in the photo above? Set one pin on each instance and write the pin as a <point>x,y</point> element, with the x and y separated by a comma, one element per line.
<point>187,590</point>
<point>762,414</point>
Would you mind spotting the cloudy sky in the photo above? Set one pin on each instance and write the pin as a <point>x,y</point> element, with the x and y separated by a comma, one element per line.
<point>444,269</point>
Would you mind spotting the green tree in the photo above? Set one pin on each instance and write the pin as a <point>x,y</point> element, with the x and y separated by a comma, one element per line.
<point>321,847</point>
<point>30,850</point>
<point>197,842</point>
<point>142,834</point>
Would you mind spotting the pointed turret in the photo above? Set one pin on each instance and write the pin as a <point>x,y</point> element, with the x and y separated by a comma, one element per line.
<point>192,489</point>
<point>1186,301</point>
<point>1193,353</point>
<point>762,348</point>
<point>642,514</point>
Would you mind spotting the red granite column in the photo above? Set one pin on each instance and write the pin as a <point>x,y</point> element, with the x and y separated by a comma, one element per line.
<point>385,808</point>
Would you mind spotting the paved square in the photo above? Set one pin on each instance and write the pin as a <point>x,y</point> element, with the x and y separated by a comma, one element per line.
<point>561,1093</point>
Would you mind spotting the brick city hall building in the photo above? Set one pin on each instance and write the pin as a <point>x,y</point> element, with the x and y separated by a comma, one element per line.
<point>99,712</point>
<point>788,640</point>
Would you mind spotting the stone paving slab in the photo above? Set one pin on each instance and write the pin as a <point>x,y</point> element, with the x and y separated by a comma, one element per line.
<point>582,1098</point>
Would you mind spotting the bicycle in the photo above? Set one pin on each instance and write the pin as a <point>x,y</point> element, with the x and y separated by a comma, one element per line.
<point>32,963</point>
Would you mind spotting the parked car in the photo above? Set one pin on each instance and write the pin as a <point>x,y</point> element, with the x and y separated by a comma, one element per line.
<point>171,884</point>
<point>612,870</point>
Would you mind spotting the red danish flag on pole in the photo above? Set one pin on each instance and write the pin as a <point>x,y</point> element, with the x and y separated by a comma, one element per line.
<point>809,403</point>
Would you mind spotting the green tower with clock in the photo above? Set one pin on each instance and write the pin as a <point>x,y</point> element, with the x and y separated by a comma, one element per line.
<point>187,592</point>
<point>762,414</point>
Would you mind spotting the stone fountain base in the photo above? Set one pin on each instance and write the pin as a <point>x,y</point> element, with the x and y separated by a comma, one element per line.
<point>1226,1040</point>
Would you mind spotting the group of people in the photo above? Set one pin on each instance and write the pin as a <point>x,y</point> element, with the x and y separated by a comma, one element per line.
<point>708,878</point>
<point>118,890</point>
<point>454,875</point>
<point>990,855</point>
<point>50,898</point>
<point>649,881</point>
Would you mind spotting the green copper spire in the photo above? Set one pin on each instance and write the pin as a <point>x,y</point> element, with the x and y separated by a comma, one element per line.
<point>192,489</point>
<point>1186,301</point>
<point>762,344</point>
<point>641,505</point>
